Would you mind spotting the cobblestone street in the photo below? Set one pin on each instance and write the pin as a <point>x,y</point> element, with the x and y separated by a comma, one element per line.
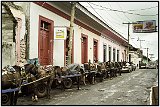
<point>129,89</point>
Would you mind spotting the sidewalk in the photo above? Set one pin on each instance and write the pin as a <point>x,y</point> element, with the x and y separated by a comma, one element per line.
<point>154,100</point>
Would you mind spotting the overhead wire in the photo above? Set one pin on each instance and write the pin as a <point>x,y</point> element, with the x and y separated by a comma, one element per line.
<point>110,20</point>
<point>144,8</point>
<point>108,14</point>
<point>133,42</point>
<point>102,17</point>
<point>115,12</point>
<point>105,20</point>
<point>125,14</point>
<point>97,13</point>
<point>124,11</point>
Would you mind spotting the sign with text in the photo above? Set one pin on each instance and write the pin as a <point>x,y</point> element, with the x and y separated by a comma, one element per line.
<point>60,33</point>
<point>144,26</point>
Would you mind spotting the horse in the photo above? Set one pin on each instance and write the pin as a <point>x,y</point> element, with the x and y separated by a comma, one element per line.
<point>108,72</point>
<point>11,78</point>
<point>39,72</point>
<point>115,69</point>
<point>101,71</point>
<point>49,69</point>
<point>110,66</point>
<point>119,67</point>
<point>67,70</point>
<point>90,71</point>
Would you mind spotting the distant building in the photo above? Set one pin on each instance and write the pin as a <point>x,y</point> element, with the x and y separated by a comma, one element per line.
<point>144,59</point>
<point>135,55</point>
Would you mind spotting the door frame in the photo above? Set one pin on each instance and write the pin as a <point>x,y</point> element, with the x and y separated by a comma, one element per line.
<point>95,40</point>
<point>84,36</point>
<point>118,54</point>
<point>51,37</point>
<point>114,56</point>
<point>109,57</point>
<point>105,52</point>
<point>18,48</point>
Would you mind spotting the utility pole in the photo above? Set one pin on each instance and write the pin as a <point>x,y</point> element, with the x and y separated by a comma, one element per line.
<point>140,42</point>
<point>140,47</point>
<point>73,4</point>
<point>147,54</point>
<point>128,38</point>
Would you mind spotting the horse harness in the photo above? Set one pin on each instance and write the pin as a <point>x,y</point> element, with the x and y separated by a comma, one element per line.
<point>10,70</point>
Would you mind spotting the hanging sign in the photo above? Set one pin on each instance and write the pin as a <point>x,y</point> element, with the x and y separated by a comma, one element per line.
<point>60,33</point>
<point>144,26</point>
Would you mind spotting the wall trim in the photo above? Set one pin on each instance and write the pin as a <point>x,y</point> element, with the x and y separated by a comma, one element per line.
<point>106,32</point>
<point>64,15</point>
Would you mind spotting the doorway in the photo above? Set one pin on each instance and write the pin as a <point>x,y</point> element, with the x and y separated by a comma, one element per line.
<point>95,50</point>
<point>45,41</point>
<point>109,53</point>
<point>84,48</point>
<point>104,53</point>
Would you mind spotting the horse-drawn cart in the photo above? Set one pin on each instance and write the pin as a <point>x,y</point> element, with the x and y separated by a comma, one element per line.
<point>33,83</point>
<point>67,80</point>
<point>38,86</point>
<point>6,95</point>
<point>10,95</point>
<point>68,75</point>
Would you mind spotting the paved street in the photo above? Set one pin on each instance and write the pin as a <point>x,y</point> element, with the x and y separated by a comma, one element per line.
<point>129,89</point>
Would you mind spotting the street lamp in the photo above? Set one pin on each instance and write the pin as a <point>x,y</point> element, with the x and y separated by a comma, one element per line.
<point>140,46</point>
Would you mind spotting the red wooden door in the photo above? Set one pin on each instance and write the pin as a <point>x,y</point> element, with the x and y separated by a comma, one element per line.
<point>45,42</point>
<point>44,51</point>
<point>84,49</point>
<point>95,50</point>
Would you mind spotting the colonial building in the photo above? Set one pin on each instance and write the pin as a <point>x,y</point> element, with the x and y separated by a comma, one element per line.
<point>92,38</point>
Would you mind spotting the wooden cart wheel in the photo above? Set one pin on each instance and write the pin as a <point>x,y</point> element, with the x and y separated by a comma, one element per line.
<point>67,83</point>
<point>41,90</point>
<point>6,99</point>
<point>54,84</point>
<point>24,90</point>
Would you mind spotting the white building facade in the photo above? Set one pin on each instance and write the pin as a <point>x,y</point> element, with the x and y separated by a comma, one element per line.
<point>89,42</point>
